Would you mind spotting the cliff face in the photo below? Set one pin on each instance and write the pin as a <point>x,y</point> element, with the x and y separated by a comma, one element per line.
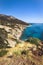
<point>10,29</point>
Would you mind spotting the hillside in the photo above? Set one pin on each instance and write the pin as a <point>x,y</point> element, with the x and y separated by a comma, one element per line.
<point>10,29</point>
<point>13,50</point>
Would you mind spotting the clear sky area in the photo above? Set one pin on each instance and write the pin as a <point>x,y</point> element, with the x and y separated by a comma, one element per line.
<point>30,11</point>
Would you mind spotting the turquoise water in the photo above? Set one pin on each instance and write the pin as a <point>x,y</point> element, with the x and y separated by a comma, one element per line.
<point>35,30</point>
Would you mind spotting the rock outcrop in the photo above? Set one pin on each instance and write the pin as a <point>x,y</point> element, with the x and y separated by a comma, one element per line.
<point>11,29</point>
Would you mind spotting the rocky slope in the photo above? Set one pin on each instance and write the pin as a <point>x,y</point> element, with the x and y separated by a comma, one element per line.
<point>10,30</point>
<point>28,52</point>
<point>23,54</point>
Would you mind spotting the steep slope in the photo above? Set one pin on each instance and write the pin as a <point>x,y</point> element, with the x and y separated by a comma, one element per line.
<point>10,29</point>
<point>23,53</point>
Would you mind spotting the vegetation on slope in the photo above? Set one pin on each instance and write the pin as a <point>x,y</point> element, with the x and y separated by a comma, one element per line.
<point>24,53</point>
<point>29,52</point>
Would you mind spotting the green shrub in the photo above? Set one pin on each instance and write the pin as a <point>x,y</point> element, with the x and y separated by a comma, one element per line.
<point>35,41</point>
<point>17,52</point>
<point>3,52</point>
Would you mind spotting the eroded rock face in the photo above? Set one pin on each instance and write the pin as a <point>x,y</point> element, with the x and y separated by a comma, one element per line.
<point>11,29</point>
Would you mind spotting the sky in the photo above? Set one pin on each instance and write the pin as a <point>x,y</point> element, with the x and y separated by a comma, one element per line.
<point>30,11</point>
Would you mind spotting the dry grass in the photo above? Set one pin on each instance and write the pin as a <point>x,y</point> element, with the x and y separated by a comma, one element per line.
<point>21,55</point>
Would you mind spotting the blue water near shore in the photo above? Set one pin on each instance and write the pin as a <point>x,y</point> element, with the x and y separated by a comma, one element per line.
<point>35,30</point>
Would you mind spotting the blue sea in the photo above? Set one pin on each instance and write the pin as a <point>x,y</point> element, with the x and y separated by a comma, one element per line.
<point>35,30</point>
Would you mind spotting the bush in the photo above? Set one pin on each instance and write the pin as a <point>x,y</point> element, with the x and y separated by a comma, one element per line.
<point>3,43</point>
<point>35,41</point>
<point>17,52</point>
<point>3,52</point>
